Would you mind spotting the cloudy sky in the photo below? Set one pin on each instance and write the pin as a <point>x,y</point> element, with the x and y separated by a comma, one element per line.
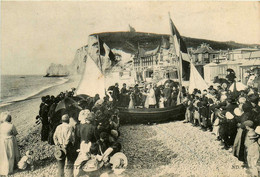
<point>35,34</point>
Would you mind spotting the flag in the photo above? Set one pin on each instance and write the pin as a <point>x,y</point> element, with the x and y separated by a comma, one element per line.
<point>196,81</point>
<point>181,51</point>
<point>100,53</point>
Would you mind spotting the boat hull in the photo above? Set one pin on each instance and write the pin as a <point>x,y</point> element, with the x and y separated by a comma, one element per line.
<point>151,115</point>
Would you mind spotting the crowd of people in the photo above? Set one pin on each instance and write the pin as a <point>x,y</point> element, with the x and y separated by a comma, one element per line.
<point>84,130</point>
<point>232,116</point>
<point>149,96</point>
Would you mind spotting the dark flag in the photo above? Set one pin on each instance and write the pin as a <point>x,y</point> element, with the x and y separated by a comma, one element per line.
<point>100,44</point>
<point>180,47</point>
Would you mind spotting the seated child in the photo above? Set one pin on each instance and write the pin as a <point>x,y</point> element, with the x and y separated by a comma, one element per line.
<point>26,161</point>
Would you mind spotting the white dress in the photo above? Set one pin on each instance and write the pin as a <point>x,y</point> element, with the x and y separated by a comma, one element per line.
<point>150,98</point>
<point>9,152</point>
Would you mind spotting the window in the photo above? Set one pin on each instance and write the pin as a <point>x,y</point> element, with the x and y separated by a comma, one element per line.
<point>149,74</point>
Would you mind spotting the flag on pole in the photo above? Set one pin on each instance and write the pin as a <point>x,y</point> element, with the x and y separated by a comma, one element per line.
<point>181,51</point>
<point>196,81</point>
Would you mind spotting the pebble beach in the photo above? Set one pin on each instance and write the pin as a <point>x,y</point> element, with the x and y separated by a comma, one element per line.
<point>169,149</point>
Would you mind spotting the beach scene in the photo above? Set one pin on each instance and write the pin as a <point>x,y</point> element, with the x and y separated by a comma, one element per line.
<point>112,89</point>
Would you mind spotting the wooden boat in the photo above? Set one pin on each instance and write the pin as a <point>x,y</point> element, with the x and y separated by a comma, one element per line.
<point>151,115</point>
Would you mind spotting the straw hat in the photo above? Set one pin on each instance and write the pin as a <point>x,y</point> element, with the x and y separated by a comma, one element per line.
<point>242,100</point>
<point>114,133</point>
<point>257,130</point>
<point>238,112</point>
<point>60,153</point>
<point>92,165</point>
<point>229,116</point>
<point>119,160</point>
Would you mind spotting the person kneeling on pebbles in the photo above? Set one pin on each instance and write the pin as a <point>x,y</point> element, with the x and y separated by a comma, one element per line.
<point>26,161</point>
<point>88,159</point>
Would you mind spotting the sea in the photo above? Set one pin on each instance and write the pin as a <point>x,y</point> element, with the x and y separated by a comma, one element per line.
<point>16,88</point>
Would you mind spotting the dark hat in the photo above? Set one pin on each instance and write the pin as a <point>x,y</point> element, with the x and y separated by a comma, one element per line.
<point>59,153</point>
<point>199,104</point>
<point>247,107</point>
<point>204,103</point>
<point>254,98</point>
<point>249,123</point>
<point>103,135</point>
<point>210,101</point>
<point>211,87</point>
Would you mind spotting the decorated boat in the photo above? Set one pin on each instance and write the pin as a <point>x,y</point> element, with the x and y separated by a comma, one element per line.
<point>151,115</point>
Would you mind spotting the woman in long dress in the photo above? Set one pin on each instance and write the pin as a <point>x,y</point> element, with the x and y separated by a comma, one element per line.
<point>131,103</point>
<point>242,114</point>
<point>9,152</point>
<point>150,101</point>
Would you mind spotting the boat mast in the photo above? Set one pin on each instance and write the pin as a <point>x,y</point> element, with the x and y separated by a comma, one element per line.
<point>179,56</point>
<point>99,55</point>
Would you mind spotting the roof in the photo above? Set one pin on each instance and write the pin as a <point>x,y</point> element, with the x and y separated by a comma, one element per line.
<point>205,49</point>
<point>230,62</point>
<point>210,64</point>
<point>247,49</point>
<point>143,53</point>
<point>251,55</point>
<point>255,62</point>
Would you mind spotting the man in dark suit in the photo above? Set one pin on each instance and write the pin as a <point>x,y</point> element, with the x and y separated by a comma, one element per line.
<point>115,94</point>
<point>167,91</point>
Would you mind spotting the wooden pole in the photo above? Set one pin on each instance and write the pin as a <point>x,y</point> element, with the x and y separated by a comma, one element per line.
<point>99,55</point>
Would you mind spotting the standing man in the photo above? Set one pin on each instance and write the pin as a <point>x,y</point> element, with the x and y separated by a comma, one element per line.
<point>124,98</point>
<point>44,109</point>
<point>64,138</point>
<point>167,92</point>
<point>115,94</point>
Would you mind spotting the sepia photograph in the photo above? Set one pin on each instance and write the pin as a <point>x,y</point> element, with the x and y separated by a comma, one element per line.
<point>130,88</point>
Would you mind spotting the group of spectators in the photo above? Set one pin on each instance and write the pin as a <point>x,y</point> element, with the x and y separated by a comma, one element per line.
<point>149,96</point>
<point>84,132</point>
<point>233,116</point>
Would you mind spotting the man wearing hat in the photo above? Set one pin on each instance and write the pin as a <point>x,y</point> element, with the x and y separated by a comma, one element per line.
<point>251,147</point>
<point>115,94</point>
<point>63,139</point>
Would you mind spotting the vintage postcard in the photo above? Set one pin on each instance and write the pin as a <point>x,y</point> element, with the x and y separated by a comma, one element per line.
<point>129,88</point>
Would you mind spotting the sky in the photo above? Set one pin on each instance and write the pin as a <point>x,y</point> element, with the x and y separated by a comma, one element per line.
<point>36,34</point>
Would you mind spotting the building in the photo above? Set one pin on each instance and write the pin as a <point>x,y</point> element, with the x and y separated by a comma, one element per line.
<point>155,64</point>
<point>238,54</point>
<point>246,62</point>
<point>204,54</point>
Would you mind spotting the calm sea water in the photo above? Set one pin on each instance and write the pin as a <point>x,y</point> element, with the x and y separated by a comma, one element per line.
<point>19,87</point>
